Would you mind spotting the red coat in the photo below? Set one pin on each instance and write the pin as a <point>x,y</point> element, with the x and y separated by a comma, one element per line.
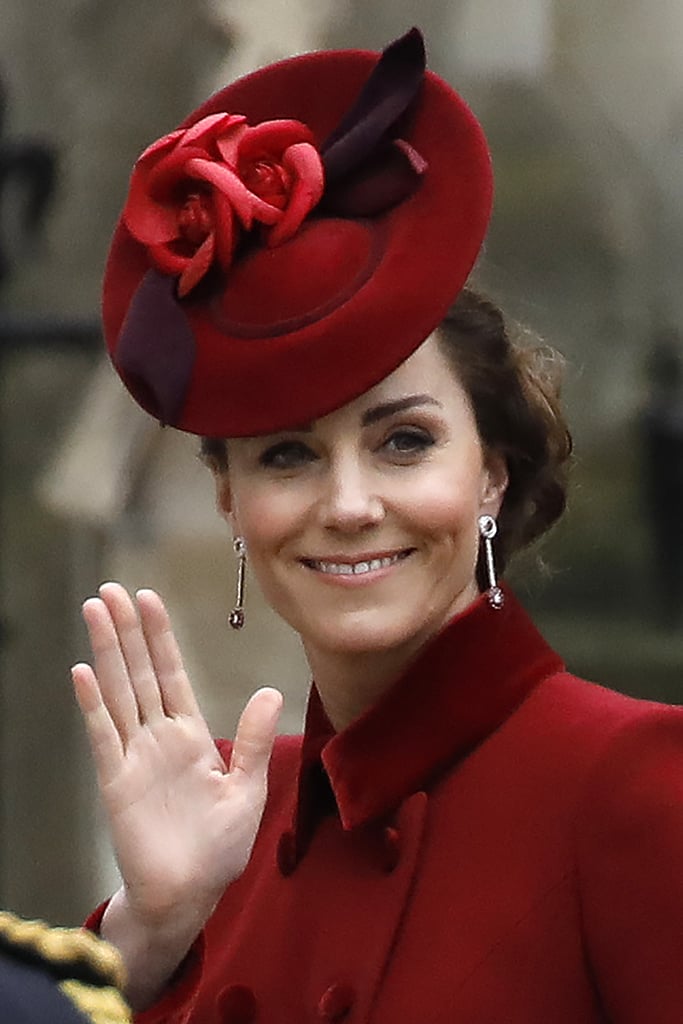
<point>498,843</point>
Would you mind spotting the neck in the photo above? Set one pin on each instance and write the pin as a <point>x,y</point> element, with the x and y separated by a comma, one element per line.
<point>349,684</point>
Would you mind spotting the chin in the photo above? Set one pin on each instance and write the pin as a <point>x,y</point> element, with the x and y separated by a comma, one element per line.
<point>367,633</point>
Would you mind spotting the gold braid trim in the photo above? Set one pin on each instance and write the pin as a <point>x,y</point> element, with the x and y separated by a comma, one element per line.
<point>89,971</point>
<point>100,1005</point>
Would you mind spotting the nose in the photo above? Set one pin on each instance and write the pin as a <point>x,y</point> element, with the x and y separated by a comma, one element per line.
<point>351,500</point>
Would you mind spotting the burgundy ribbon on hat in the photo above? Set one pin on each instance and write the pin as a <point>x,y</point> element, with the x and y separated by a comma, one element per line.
<point>368,169</point>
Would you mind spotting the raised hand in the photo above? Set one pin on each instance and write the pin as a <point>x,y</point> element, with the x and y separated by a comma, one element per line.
<point>182,822</point>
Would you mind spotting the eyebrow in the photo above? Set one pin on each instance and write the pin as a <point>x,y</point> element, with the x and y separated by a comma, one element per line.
<point>380,412</point>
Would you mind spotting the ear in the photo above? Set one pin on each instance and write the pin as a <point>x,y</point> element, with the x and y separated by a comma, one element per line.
<point>494,483</point>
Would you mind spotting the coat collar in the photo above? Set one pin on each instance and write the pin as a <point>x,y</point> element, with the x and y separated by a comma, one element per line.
<point>461,687</point>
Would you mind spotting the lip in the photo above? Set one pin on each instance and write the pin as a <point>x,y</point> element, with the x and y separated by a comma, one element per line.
<point>357,569</point>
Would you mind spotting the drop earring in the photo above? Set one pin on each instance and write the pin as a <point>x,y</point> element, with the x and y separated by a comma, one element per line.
<point>488,528</point>
<point>236,617</point>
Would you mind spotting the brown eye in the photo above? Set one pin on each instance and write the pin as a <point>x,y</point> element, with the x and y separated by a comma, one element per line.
<point>286,455</point>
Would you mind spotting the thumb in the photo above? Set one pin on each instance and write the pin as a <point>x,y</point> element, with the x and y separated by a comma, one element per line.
<point>256,733</point>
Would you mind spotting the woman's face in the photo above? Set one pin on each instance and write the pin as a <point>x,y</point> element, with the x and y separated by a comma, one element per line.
<point>362,526</point>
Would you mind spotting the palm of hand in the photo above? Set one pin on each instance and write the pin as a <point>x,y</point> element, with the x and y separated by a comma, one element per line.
<point>182,822</point>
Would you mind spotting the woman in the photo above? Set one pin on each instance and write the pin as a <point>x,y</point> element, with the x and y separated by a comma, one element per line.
<point>465,831</point>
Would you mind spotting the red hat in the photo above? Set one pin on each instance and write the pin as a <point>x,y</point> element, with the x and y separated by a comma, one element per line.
<point>295,240</point>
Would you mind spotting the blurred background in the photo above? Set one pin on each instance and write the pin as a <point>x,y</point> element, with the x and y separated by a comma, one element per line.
<point>583,107</point>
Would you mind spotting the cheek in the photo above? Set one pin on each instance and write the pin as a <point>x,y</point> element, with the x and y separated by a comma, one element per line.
<point>447,502</point>
<point>451,532</point>
<point>266,519</point>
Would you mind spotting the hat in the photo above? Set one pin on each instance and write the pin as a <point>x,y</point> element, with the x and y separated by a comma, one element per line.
<point>295,240</point>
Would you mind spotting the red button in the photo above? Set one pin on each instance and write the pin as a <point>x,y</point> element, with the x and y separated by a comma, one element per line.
<point>336,1004</point>
<point>237,1005</point>
<point>286,854</point>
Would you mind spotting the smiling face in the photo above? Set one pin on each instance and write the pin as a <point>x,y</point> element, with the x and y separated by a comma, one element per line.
<point>362,527</point>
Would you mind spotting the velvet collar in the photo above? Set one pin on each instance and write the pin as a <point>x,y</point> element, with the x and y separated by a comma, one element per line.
<point>461,687</point>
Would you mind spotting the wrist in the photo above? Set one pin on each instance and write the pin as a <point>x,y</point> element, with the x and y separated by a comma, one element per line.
<point>152,950</point>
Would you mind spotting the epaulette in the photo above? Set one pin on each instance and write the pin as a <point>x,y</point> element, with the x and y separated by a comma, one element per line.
<point>88,970</point>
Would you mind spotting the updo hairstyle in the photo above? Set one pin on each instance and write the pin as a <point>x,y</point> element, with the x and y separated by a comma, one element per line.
<point>514,388</point>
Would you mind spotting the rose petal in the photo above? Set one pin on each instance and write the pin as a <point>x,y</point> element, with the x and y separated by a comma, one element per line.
<point>415,159</point>
<point>151,210</point>
<point>272,137</point>
<point>228,144</point>
<point>164,179</point>
<point>149,222</point>
<point>212,124</point>
<point>225,233</point>
<point>161,144</point>
<point>167,260</point>
<point>226,181</point>
<point>247,206</point>
<point>303,160</point>
<point>196,267</point>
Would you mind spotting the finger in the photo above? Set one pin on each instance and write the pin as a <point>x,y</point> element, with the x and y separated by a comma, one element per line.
<point>103,736</point>
<point>134,650</point>
<point>110,668</point>
<point>177,694</point>
<point>256,734</point>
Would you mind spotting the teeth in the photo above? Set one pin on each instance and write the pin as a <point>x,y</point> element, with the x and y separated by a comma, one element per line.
<point>356,568</point>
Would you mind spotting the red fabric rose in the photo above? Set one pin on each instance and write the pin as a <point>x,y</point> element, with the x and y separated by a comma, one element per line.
<point>192,192</point>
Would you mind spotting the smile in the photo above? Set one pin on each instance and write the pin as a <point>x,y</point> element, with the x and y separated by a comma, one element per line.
<point>359,568</point>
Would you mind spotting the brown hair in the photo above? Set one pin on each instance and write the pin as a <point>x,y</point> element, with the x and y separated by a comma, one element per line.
<point>214,452</point>
<point>514,388</point>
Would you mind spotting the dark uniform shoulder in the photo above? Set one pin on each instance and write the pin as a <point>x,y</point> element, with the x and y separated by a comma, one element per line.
<point>64,975</point>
